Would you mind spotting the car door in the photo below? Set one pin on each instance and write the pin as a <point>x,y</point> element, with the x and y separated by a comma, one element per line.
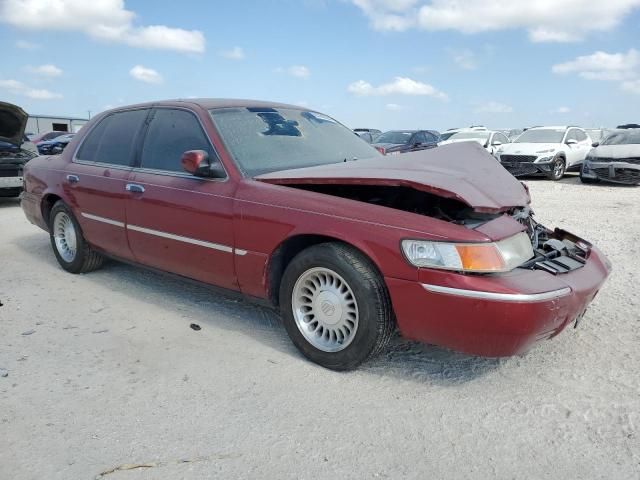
<point>178,222</point>
<point>418,142</point>
<point>96,179</point>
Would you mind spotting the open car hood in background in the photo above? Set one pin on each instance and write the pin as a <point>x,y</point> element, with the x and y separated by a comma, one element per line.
<point>13,121</point>
<point>463,171</point>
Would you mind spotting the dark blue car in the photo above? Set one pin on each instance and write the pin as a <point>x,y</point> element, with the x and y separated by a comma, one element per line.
<point>403,141</point>
<point>55,146</point>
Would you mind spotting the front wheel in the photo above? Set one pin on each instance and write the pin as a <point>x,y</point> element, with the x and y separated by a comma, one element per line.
<point>72,251</point>
<point>558,168</point>
<point>335,306</point>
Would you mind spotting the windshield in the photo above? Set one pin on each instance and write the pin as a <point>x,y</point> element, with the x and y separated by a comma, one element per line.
<point>541,135</point>
<point>469,136</point>
<point>263,140</point>
<point>624,137</point>
<point>396,137</point>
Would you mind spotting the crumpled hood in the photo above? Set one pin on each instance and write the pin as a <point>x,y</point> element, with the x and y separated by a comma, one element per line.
<point>528,148</point>
<point>616,151</point>
<point>13,121</point>
<point>463,171</point>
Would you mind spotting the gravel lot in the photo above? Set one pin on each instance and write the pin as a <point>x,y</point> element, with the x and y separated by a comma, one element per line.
<point>103,371</point>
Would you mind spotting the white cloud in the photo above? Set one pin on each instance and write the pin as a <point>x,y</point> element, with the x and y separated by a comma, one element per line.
<point>465,59</point>
<point>632,86</point>
<point>399,86</point>
<point>394,107</point>
<point>106,20</point>
<point>561,110</point>
<point>146,75</point>
<point>617,67</point>
<point>19,88</point>
<point>494,107</point>
<point>602,66</point>
<point>545,21</point>
<point>236,53</point>
<point>24,45</point>
<point>299,71</point>
<point>47,70</point>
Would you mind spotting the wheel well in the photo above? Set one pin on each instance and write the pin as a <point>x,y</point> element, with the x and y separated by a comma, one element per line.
<point>286,251</point>
<point>47,204</point>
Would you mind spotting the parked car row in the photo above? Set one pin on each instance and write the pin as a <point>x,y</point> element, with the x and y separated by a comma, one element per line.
<point>548,151</point>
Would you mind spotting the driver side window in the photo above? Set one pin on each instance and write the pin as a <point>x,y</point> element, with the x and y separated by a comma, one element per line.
<point>171,133</point>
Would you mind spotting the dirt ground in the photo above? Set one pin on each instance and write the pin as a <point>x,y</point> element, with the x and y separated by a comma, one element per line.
<point>103,371</point>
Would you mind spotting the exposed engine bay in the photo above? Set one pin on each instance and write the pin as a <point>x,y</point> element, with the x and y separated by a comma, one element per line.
<point>556,251</point>
<point>406,199</point>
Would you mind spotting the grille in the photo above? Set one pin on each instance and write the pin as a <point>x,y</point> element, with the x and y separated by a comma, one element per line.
<point>521,170</point>
<point>634,160</point>
<point>518,158</point>
<point>10,172</point>
<point>629,175</point>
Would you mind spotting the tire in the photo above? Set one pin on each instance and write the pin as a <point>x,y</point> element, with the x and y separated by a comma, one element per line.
<point>350,310</point>
<point>72,251</point>
<point>558,168</point>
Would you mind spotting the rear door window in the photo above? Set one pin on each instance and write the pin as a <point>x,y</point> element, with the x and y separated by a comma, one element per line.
<point>112,140</point>
<point>171,133</point>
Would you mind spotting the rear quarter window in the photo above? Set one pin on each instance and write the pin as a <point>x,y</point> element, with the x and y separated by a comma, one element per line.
<point>112,140</point>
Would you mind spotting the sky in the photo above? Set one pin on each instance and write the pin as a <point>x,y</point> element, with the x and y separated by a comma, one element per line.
<point>387,64</point>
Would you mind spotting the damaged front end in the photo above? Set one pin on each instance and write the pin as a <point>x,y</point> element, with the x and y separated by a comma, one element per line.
<point>15,149</point>
<point>555,251</point>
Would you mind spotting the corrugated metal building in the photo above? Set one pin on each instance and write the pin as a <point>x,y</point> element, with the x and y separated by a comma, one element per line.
<point>47,123</point>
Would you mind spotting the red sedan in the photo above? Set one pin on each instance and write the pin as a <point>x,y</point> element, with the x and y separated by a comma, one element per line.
<point>288,207</point>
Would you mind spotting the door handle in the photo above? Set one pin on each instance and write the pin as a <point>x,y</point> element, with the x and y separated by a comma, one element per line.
<point>134,187</point>
<point>73,178</point>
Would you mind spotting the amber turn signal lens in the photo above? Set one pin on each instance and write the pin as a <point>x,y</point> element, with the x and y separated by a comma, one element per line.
<point>485,258</point>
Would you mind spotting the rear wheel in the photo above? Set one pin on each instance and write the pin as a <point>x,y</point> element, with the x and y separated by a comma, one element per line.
<point>335,306</point>
<point>72,251</point>
<point>558,168</point>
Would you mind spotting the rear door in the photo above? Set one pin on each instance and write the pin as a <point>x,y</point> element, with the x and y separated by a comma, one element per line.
<point>96,179</point>
<point>178,222</point>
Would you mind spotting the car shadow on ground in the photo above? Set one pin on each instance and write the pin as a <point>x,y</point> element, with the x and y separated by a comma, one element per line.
<point>196,303</point>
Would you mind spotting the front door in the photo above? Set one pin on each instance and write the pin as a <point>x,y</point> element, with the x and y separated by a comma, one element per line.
<point>96,180</point>
<point>177,222</point>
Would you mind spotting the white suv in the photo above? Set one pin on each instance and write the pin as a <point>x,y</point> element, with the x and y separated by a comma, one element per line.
<point>549,151</point>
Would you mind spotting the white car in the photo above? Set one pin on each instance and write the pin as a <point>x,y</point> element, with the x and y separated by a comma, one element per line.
<point>548,151</point>
<point>489,139</point>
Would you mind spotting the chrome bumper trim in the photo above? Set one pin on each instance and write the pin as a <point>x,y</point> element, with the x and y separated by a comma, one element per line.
<point>499,297</point>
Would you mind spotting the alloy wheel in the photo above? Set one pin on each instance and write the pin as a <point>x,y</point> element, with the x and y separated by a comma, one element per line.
<point>325,309</point>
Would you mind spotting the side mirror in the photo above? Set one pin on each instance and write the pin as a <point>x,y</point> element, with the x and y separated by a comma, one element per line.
<point>197,163</point>
<point>571,142</point>
<point>595,144</point>
<point>497,143</point>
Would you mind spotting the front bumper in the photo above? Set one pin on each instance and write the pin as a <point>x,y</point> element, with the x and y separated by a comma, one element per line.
<point>11,182</point>
<point>494,315</point>
<point>520,169</point>
<point>617,172</point>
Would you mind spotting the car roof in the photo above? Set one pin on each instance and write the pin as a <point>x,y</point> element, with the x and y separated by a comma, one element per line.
<point>213,103</point>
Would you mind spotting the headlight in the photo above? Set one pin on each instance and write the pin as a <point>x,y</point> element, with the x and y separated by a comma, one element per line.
<point>543,159</point>
<point>501,256</point>
<point>550,150</point>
